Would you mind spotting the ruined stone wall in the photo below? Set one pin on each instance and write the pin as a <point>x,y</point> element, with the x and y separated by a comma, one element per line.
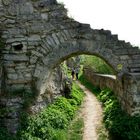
<point>0,75</point>
<point>57,85</point>
<point>38,35</point>
<point>126,89</point>
<point>25,25</point>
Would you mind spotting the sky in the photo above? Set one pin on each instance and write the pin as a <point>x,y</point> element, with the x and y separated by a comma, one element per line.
<point>122,17</point>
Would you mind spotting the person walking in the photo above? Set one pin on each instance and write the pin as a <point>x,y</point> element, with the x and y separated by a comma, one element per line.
<point>77,73</point>
<point>73,74</point>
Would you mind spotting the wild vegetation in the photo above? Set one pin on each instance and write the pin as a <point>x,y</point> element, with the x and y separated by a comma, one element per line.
<point>56,122</point>
<point>120,125</point>
<point>97,64</point>
<point>53,122</point>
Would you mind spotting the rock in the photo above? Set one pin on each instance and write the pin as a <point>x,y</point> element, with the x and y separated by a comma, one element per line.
<point>44,3</point>
<point>37,35</point>
<point>44,16</point>
<point>26,9</point>
<point>34,38</point>
<point>12,76</point>
<point>20,57</point>
<point>6,2</point>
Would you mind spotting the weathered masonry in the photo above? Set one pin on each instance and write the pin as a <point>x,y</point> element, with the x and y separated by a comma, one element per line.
<point>37,35</point>
<point>123,88</point>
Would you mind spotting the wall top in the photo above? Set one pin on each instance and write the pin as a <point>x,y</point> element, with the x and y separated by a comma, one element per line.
<point>41,3</point>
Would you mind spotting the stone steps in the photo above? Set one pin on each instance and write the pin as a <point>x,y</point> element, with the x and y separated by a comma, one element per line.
<point>126,52</point>
<point>134,65</point>
<point>133,61</point>
<point>134,69</point>
<point>135,57</point>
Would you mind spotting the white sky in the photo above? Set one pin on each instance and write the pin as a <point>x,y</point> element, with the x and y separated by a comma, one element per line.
<point>122,17</point>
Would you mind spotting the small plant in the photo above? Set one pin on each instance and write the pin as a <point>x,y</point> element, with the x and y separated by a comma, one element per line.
<point>53,122</point>
<point>4,135</point>
<point>76,130</point>
<point>93,89</point>
<point>117,122</point>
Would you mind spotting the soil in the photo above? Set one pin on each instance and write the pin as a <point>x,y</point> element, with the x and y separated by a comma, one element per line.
<point>91,112</point>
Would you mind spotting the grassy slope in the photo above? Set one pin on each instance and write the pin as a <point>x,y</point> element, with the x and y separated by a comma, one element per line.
<point>96,64</point>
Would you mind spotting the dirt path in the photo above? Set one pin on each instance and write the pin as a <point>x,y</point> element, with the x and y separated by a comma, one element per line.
<point>92,114</point>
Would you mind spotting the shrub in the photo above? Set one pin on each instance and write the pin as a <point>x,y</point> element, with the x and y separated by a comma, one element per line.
<point>84,81</point>
<point>96,64</point>
<point>77,94</point>
<point>4,135</point>
<point>59,135</point>
<point>73,102</point>
<point>116,120</point>
<point>52,123</point>
<point>120,125</point>
<point>64,105</point>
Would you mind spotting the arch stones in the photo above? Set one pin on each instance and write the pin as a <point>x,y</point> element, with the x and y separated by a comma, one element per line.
<point>44,36</point>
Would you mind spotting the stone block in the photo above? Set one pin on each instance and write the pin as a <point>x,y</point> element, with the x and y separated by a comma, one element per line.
<point>12,125</point>
<point>36,53</point>
<point>34,38</point>
<point>28,75</point>
<point>50,41</point>
<point>12,57</point>
<point>44,16</point>
<point>125,57</point>
<point>42,50</point>
<point>33,59</point>
<point>6,2</point>
<point>13,76</point>
<point>13,40</point>
<point>9,21</point>
<point>18,81</point>
<point>26,9</point>
<point>56,39</point>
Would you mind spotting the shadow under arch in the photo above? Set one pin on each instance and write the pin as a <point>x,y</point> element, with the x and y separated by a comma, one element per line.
<point>74,48</point>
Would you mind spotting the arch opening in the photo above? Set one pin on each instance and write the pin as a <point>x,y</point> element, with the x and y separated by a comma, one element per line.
<point>62,74</point>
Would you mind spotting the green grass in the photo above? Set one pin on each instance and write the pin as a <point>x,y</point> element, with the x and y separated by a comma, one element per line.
<point>96,64</point>
<point>52,123</point>
<point>103,133</point>
<point>119,124</point>
<point>75,131</point>
<point>87,84</point>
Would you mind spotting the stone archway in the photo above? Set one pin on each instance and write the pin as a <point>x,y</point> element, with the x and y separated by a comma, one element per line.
<point>83,46</point>
<point>37,35</point>
<point>75,48</point>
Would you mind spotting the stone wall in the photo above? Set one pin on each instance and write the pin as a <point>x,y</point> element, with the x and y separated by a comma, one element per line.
<point>0,75</point>
<point>13,106</point>
<point>57,85</point>
<point>38,35</point>
<point>126,89</point>
<point>1,71</point>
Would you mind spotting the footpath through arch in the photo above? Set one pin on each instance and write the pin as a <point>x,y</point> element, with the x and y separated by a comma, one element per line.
<point>38,35</point>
